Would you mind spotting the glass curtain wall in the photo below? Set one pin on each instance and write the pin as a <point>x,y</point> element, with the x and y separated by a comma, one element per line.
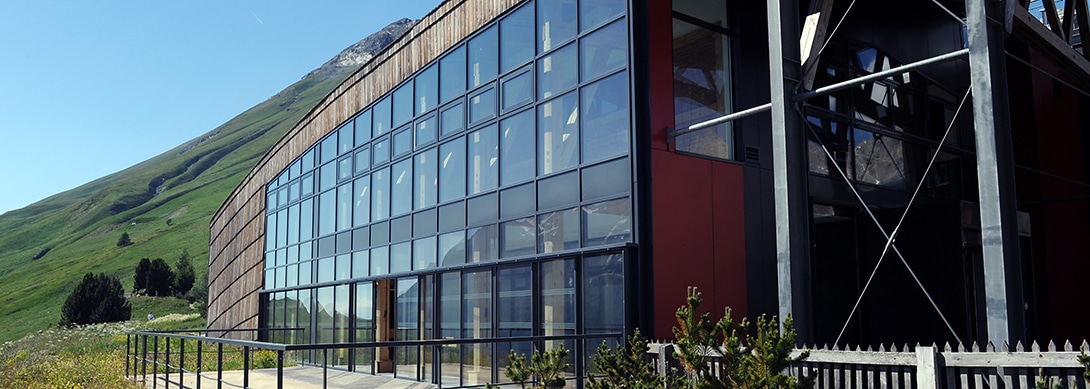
<point>513,144</point>
<point>702,78</point>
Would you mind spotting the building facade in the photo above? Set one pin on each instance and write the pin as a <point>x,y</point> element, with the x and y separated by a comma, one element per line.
<point>517,175</point>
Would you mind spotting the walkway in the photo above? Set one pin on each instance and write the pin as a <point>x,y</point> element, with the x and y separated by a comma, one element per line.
<point>302,377</point>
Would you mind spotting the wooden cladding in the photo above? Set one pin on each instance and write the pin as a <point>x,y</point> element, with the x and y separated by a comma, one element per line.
<point>236,253</point>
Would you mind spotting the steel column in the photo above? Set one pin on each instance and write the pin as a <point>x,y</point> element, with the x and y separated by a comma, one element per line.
<point>789,168</point>
<point>995,176</point>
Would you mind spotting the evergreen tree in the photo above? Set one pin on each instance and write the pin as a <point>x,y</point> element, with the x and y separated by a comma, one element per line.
<point>140,279</point>
<point>183,274</point>
<point>160,279</point>
<point>98,299</point>
<point>124,240</point>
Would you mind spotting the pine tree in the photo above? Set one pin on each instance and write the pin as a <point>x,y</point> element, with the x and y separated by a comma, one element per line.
<point>124,240</point>
<point>98,299</point>
<point>160,279</point>
<point>184,276</point>
<point>140,278</point>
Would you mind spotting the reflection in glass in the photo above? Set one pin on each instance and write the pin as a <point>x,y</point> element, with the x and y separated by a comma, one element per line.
<point>559,230</point>
<point>425,131</point>
<point>403,141</point>
<point>450,322</point>
<point>401,189</point>
<point>556,23</point>
<point>452,169</point>
<point>327,176</point>
<point>702,89</point>
<point>401,257</point>
<point>605,50</point>
<point>424,253</point>
<point>519,237</point>
<point>518,90</point>
<point>326,269</point>
<point>344,207</point>
<point>514,308</point>
<point>427,179</point>
<point>516,30</point>
<point>344,138</point>
<point>381,121</point>
<point>558,134</point>
<point>483,160</point>
<point>558,71</point>
<point>403,103</point>
<point>381,151</point>
<point>593,13</point>
<point>343,270</point>
<point>407,318</point>
<point>482,106</point>
<point>483,63</point>
<point>608,222</point>
<point>483,243</point>
<point>557,300</point>
<point>363,160</point>
<point>605,118</point>
<point>452,248</point>
<point>380,261</point>
<point>363,127</point>
<point>340,317</point>
<point>324,315</point>
<point>327,212</point>
<point>361,264</point>
<point>329,148</point>
<point>452,74</point>
<point>362,206</point>
<point>607,179</point>
<point>380,194</point>
<point>427,90</point>
<point>517,156</point>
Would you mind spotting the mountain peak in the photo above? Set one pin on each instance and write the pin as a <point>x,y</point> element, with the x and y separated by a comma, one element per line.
<point>359,53</point>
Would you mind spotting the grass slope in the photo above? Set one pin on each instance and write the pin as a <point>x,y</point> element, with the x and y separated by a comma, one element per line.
<point>165,204</point>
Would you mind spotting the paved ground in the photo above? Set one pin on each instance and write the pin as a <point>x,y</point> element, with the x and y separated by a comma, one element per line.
<point>302,377</point>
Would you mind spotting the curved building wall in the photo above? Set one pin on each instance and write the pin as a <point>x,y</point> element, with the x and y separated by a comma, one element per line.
<point>236,254</point>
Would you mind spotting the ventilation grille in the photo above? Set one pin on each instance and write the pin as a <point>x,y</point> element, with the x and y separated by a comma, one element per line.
<point>753,154</point>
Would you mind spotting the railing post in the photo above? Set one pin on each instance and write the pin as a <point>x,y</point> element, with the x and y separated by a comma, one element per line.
<point>155,363</point>
<point>200,364</point>
<point>219,365</point>
<point>144,360</point>
<point>128,350</point>
<point>181,363</point>
<point>325,367</point>
<point>166,382</point>
<point>928,367</point>
<point>279,369</point>
<point>246,366</point>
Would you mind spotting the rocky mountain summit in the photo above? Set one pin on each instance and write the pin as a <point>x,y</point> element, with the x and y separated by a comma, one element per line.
<point>359,53</point>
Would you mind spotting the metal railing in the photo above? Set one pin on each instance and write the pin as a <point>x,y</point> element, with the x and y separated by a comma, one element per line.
<point>153,350</point>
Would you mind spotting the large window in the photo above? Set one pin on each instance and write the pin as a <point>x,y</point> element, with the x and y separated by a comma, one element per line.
<point>702,79</point>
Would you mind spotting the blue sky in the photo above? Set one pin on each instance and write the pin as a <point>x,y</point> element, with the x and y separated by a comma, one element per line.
<point>88,88</point>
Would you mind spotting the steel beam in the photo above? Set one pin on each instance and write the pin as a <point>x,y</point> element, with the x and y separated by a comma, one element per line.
<point>882,74</point>
<point>995,176</point>
<point>789,168</point>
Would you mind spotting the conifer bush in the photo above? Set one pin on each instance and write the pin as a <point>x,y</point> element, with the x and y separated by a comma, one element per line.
<point>96,299</point>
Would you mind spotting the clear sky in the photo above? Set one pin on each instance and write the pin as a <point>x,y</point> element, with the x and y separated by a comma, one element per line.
<point>88,88</point>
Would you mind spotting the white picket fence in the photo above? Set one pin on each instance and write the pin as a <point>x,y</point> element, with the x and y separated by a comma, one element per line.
<point>929,367</point>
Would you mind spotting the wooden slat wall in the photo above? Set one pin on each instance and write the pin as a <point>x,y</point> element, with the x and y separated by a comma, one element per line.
<point>237,230</point>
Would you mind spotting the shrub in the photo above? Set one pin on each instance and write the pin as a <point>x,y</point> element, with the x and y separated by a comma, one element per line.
<point>160,280</point>
<point>98,299</point>
<point>629,368</point>
<point>183,275</point>
<point>140,278</point>
<point>546,367</point>
<point>124,240</point>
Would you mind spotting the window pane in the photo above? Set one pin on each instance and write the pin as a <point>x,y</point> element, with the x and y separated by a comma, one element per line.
<point>519,237</point>
<point>401,229</point>
<point>329,148</point>
<point>518,201</point>
<point>452,169</point>
<point>483,243</point>
<point>425,131</point>
<point>607,179</point>
<point>344,207</point>
<point>517,158</point>
<point>605,118</point>
<point>515,305</point>
<point>558,71</point>
<point>518,90</point>
<point>595,12</point>
<point>603,293</point>
<point>482,58</point>
<point>381,120</point>
<point>363,128</point>
<point>427,182</point>
<point>326,267</point>
<point>361,264</point>
<point>403,141</point>
<point>363,160</point>
<point>327,212</point>
<point>559,230</point>
<point>452,248</point>
<point>482,209</point>
<point>556,23</point>
<point>427,90</point>
<point>515,30</point>
<point>605,50</point>
<point>482,106</point>
<point>401,257</point>
<point>306,219</point>
<point>453,119</point>
<point>328,176</point>
<point>380,151</point>
<point>345,169</point>
<point>452,74</point>
<point>403,103</point>
<point>558,297</point>
<point>344,137</point>
<point>558,134</point>
<point>380,261</point>
<point>324,313</point>
<point>477,304</point>
<point>702,89</point>
<point>307,185</point>
<point>365,312</point>
<point>344,267</point>
<point>450,305</point>
<point>293,224</point>
<point>424,253</point>
<point>407,312</point>
<point>362,206</point>
<point>380,194</point>
<point>452,216</point>
<point>483,160</point>
<point>608,222</point>
<point>401,191</point>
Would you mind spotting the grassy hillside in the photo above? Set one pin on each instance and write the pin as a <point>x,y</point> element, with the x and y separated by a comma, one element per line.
<point>165,204</point>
